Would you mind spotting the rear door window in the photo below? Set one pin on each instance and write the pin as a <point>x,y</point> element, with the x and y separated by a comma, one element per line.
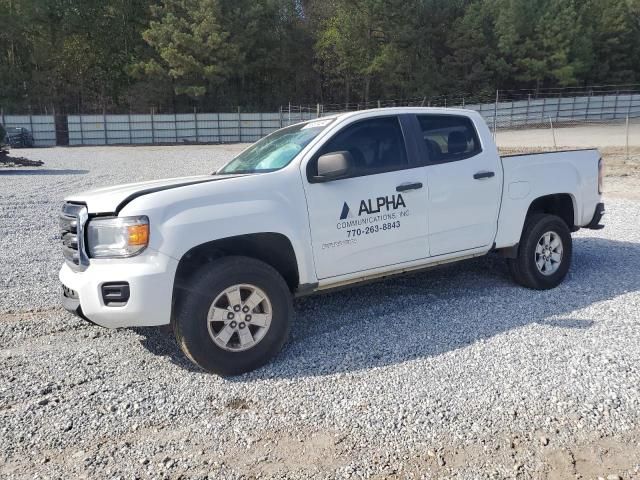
<point>449,138</point>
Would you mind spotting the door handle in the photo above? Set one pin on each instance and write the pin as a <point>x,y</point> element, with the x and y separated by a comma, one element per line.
<point>408,186</point>
<point>481,175</point>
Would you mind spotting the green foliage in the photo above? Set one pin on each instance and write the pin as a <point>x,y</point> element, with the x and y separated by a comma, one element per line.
<point>540,44</point>
<point>120,55</point>
<point>70,55</point>
<point>192,46</point>
<point>356,43</point>
<point>616,38</point>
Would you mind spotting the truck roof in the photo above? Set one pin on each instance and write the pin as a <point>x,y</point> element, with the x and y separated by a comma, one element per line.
<point>400,110</point>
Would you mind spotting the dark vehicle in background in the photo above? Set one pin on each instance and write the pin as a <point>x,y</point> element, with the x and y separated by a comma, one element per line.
<point>19,137</point>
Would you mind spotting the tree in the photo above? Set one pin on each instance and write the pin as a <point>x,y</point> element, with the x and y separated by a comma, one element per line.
<point>230,52</point>
<point>361,45</point>
<point>472,65</point>
<point>615,35</point>
<point>562,36</point>
<point>275,52</point>
<point>174,55</point>
<point>544,43</point>
<point>67,55</point>
<point>191,45</point>
<point>14,53</point>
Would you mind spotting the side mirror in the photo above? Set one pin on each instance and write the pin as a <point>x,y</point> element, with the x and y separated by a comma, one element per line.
<point>334,166</point>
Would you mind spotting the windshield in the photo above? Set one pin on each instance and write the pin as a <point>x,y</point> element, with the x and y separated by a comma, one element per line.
<point>277,150</point>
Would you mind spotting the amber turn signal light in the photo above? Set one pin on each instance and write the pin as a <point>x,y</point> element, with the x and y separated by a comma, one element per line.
<point>138,235</point>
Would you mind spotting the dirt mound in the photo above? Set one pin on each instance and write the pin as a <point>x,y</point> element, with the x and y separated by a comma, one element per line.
<point>8,161</point>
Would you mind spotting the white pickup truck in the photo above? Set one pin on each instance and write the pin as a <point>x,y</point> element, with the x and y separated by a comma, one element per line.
<point>318,205</point>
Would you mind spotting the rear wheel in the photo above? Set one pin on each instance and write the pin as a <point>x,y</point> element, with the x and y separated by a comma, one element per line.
<point>544,254</point>
<point>233,316</point>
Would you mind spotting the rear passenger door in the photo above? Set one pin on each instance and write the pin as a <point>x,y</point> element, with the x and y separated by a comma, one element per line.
<point>465,184</point>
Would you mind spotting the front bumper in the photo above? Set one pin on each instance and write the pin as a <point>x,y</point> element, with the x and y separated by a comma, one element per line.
<point>150,278</point>
<point>71,302</point>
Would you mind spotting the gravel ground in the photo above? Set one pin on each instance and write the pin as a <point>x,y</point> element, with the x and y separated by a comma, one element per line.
<point>579,136</point>
<point>452,373</point>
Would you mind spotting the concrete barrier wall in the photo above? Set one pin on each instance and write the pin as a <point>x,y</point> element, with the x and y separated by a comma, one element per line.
<point>176,129</point>
<point>576,110</point>
<point>248,127</point>
<point>42,127</point>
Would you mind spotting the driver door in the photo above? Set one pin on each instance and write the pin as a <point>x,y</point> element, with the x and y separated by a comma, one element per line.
<point>376,216</point>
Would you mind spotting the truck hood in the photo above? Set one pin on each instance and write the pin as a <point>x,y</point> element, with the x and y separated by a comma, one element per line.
<point>113,199</point>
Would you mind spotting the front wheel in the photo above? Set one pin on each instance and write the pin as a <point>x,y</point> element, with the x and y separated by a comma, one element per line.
<point>233,316</point>
<point>544,254</point>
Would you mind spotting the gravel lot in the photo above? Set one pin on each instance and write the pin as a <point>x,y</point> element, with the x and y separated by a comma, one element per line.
<point>452,373</point>
<point>580,136</point>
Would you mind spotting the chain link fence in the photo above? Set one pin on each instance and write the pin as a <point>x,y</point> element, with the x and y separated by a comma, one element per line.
<point>510,110</point>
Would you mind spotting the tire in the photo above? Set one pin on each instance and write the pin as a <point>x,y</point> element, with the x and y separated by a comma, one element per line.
<point>204,299</point>
<point>525,269</point>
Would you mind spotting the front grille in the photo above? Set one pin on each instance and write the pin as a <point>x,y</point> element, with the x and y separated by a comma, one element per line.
<point>72,222</point>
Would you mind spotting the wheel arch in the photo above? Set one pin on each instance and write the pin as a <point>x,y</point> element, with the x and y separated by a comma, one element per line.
<point>562,205</point>
<point>274,249</point>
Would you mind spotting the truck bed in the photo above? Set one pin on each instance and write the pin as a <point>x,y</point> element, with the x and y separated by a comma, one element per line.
<point>547,152</point>
<point>529,176</point>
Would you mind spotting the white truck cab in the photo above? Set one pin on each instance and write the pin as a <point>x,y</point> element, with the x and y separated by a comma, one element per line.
<point>315,206</point>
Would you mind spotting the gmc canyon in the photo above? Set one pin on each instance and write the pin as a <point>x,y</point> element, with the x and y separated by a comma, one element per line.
<point>315,206</point>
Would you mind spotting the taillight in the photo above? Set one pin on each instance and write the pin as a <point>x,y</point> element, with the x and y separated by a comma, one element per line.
<point>600,175</point>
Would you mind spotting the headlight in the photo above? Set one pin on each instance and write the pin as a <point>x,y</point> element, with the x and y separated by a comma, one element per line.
<point>117,237</point>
